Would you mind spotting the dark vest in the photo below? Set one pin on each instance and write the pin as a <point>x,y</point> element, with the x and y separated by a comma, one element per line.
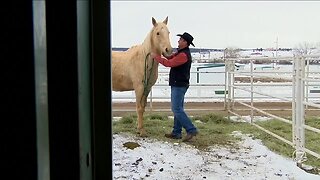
<point>180,75</point>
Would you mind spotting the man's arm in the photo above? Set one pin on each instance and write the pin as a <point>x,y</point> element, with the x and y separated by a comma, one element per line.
<point>170,57</point>
<point>177,60</point>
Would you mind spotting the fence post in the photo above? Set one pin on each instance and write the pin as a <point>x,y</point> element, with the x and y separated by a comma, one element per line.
<point>226,87</point>
<point>230,80</point>
<point>226,72</point>
<point>294,74</point>
<point>307,82</point>
<point>251,88</point>
<point>299,114</point>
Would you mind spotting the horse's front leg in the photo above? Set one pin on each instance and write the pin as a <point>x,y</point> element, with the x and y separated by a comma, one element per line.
<point>141,101</point>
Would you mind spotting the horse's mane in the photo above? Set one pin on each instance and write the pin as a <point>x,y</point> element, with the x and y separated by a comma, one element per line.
<point>133,47</point>
<point>146,44</point>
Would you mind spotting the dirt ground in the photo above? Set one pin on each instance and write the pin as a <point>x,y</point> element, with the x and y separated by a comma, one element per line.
<point>282,109</point>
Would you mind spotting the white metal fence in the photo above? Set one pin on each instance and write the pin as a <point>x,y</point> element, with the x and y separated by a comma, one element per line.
<point>300,79</point>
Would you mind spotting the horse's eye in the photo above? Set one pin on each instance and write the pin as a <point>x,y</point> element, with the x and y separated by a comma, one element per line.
<point>158,33</point>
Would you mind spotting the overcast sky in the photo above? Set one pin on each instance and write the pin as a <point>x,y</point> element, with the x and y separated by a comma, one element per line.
<point>219,24</point>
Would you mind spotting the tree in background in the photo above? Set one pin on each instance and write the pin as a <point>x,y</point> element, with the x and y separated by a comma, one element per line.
<point>304,48</point>
<point>232,52</point>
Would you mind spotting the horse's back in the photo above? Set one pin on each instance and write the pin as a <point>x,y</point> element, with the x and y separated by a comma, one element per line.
<point>121,80</point>
<point>122,59</point>
<point>126,69</point>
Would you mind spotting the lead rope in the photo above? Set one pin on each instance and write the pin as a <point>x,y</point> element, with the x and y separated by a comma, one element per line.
<point>146,76</point>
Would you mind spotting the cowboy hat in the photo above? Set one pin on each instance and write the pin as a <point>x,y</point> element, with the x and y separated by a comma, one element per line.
<point>187,37</point>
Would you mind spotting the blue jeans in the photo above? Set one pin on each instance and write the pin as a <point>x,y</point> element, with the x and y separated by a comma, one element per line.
<point>180,117</point>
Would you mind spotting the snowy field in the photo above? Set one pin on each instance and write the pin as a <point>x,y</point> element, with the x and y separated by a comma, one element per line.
<point>252,53</point>
<point>159,160</point>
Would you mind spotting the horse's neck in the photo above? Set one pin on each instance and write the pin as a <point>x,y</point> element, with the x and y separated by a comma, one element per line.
<point>148,45</point>
<point>147,48</point>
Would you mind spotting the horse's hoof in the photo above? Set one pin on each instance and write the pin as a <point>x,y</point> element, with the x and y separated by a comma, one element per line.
<point>142,132</point>
<point>143,135</point>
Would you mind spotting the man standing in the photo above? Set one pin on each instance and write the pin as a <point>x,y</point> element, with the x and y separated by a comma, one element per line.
<point>180,64</point>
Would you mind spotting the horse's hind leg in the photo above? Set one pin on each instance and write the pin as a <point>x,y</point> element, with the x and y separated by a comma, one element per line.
<point>141,101</point>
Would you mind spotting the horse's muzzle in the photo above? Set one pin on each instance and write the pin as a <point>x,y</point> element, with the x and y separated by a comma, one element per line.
<point>168,51</point>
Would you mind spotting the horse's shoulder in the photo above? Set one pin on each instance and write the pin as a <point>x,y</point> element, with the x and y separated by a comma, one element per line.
<point>135,50</point>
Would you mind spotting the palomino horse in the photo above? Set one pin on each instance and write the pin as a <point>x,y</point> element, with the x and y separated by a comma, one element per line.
<point>134,69</point>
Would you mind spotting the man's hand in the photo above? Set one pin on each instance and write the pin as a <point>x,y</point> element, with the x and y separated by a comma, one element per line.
<point>153,55</point>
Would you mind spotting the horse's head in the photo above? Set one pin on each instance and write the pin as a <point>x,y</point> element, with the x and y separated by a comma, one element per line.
<point>160,37</point>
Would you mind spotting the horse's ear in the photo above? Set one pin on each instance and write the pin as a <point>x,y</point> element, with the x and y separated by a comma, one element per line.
<point>154,22</point>
<point>166,20</point>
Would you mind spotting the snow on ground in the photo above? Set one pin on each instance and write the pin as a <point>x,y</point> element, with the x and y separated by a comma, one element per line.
<point>165,161</point>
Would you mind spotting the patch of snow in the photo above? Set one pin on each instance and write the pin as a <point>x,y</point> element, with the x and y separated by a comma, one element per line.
<point>162,160</point>
<point>248,118</point>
